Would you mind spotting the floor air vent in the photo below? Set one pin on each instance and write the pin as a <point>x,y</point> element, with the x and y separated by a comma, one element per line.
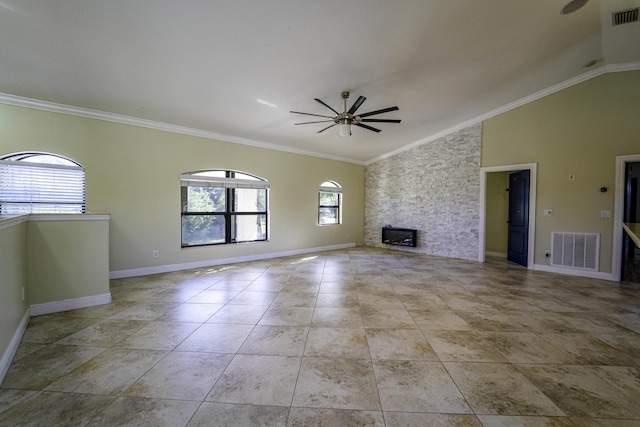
<point>575,250</point>
<point>625,16</point>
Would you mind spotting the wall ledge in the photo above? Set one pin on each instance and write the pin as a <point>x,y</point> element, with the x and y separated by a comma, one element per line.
<point>120,274</point>
<point>10,221</point>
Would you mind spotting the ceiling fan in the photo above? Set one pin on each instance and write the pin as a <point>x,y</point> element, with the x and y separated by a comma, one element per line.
<point>348,118</point>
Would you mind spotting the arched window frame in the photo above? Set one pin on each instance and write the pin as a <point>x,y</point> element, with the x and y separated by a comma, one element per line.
<point>329,203</point>
<point>39,182</point>
<point>223,207</point>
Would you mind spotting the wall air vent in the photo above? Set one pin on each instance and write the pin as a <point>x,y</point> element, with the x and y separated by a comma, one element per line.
<point>625,16</point>
<point>575,250</point>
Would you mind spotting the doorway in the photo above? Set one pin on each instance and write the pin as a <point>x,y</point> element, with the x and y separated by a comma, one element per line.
<point>488,220</point>
<point>619,211</point>
<point>630,251</point>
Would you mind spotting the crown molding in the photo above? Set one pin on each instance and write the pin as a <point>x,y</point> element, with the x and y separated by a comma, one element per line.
<point>610,68</point>
<point>36,104</point>
<point>19,101</point>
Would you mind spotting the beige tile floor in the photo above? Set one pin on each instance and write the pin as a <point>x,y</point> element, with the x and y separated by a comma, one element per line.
<point>344,338</point>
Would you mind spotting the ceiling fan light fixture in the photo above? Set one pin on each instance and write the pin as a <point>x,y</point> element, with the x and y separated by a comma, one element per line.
<point>345,129</point>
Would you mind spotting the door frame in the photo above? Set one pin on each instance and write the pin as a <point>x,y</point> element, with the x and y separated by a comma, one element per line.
<point>532,168</point>
<point>618,213</point>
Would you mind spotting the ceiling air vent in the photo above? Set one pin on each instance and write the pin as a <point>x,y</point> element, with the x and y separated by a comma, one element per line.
<point>625,16</point>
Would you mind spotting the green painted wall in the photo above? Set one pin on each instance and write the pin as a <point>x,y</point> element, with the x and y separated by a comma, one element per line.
<point>579,131</point>
<point>132,173</point>
<point>67,259</point>
<point>13,268</point>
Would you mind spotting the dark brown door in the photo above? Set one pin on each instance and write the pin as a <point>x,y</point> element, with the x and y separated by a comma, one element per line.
<point>518,230</point>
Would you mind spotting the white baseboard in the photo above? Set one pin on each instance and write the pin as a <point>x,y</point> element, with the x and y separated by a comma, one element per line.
<point>69,304</point>
<point>119,274</point>
<point>7,357</point>
<point>46,308</point>
<point>496,254</point>
<point>575,272</point>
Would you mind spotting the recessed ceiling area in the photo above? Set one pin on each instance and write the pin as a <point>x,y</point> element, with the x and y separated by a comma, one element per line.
<point>237,67</point>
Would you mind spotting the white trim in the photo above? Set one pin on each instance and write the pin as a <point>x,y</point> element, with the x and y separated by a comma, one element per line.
<point>192,180</point>
<point>69,304</point>
<point>69,217</point>
<point>119,274</point>
<point>496,254</point>
<point>36,104</point>
<point>10,221</point>
<point>28,164</point>
<point>334,190</point>
<point>19,101</point>
<point>11,349</point>
<point>611,68</point>
<point>618,214</point>
<point>533,173</point>
<point>625,66</point>
<point>574,272</point>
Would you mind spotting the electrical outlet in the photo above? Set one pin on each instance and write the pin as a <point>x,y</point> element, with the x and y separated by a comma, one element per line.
<point>572,177</point>
<point>605,214</point>
<point>155,254</point>
<point>547,212</point>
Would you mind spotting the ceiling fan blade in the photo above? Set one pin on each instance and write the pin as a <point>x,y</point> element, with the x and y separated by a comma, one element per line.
<point>322,102</point>
<point>322,130</point>
<point>367,127</point>
<point>307,123</point>
<point>382,120</point>
<point>357,104</point>
<point>384,110</point>
<point>310,114</point>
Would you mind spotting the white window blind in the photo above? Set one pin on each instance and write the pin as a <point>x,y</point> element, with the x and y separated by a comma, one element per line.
<point>27,187</point>
<point>330,190</point>
<point>192,180</point>
<point>329,187</point>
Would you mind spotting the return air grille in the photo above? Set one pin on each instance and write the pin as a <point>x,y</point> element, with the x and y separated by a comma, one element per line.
<point>625,16</point>
<point>575,250</point>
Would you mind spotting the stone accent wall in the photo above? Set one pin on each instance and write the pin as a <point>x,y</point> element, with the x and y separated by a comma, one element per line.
<point>434,188</point>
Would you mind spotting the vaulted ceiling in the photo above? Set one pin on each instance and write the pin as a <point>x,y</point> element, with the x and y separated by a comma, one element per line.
<point>235,68</point>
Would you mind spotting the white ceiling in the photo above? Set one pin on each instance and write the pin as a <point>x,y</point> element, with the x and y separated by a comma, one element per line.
<point>206,64</point>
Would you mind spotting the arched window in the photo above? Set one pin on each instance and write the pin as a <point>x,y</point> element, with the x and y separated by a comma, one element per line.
<point>33,182</point>
<point>329,203</point>
<point>223,206</point>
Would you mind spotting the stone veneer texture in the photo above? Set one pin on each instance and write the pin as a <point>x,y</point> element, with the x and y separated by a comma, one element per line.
<point>434,188</point>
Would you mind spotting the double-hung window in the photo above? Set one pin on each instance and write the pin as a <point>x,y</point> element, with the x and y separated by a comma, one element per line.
<point>329,203</point>
<point>33,182</point>
<point>222,207</point>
